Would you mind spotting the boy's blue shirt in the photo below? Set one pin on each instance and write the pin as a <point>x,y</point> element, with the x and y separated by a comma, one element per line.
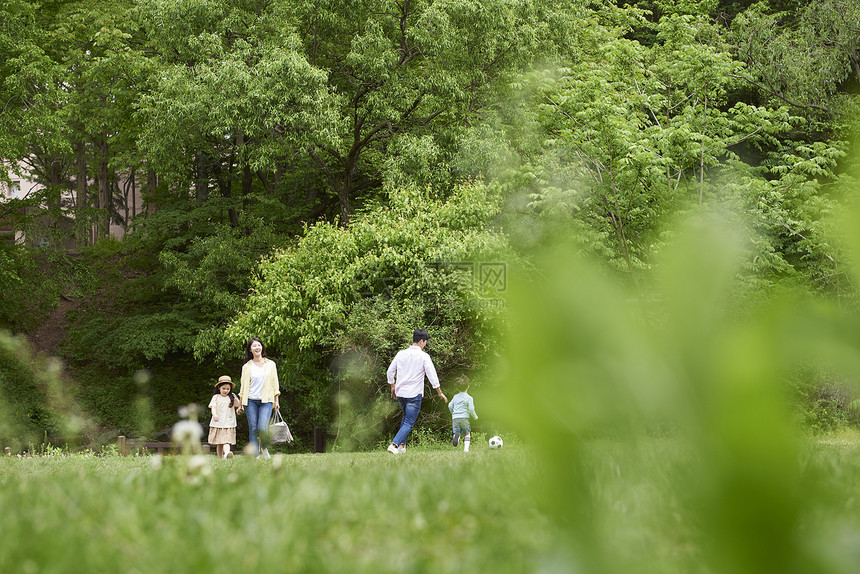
<point>462,406</point>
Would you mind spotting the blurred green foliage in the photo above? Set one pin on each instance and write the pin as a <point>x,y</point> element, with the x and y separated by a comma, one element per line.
<point>592,358</point>
<point>26,415</point>
<point>38,406</point>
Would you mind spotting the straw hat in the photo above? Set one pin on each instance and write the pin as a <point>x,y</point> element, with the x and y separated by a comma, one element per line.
<point>225,379</point>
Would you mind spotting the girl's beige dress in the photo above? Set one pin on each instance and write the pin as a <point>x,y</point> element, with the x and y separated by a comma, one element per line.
<point>224,430</point>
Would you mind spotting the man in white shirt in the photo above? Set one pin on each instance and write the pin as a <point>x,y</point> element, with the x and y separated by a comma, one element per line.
<point>411,366</point>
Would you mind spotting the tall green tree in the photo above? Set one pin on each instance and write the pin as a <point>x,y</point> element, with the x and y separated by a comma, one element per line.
<point>401,70</point>
<point>646,127</point>
<point>34,143</point>
<point>338,87</point>
<point>807,57</point>
<point>231,103</point>
<point>627,136</point>
<point>70,82</point>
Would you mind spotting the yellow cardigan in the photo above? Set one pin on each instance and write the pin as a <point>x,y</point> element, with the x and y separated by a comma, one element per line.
<point>271,386</point>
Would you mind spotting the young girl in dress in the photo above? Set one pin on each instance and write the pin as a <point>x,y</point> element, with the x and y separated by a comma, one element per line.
<point>222,427</point>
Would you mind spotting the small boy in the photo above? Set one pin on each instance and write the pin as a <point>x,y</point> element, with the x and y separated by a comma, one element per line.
<point>462,407</point>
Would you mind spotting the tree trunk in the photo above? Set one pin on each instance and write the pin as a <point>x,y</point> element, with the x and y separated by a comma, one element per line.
<point>54,180</point>
<point>346,187</point>
<point>81,234</point>
<point>54,213</point>
<point>126,188</point>
<point>104,192</point>
<point>201,183</point>
<point>151,185</point>
<point>247,186</point>
<point>133,195</point>
<point>343,196</point>
<point>225,184</point>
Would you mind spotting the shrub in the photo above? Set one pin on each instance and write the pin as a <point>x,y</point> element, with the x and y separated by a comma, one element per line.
<point>825,405</point>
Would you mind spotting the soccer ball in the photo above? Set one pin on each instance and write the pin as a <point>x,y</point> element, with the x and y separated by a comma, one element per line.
<point>496,442</point>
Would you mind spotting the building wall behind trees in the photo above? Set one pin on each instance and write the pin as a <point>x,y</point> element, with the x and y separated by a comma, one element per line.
<point>29,214</point>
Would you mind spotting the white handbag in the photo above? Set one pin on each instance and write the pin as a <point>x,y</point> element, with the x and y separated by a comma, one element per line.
<point>278,430</point>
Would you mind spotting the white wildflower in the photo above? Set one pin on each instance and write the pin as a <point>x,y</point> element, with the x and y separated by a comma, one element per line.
<point>189,411</point>
<point>187,431</point>
<point>199,463</point>
<point>278,461</point>
<point>157,461</point>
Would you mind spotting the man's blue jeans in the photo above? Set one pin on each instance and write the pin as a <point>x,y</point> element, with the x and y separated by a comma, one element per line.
<point>259,414</point>
<point>411,408</point>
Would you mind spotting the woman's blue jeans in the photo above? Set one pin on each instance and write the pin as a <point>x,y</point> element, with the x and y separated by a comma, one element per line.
<point>411,408</point>
<point>259,414</point>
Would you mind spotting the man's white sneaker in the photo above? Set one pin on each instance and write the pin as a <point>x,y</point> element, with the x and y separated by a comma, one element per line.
<point>393,449</point>
<point>265,453</point>
<point>401,449</point>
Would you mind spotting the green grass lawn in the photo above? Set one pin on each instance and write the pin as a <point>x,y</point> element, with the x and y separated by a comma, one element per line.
<point>359,512</point>
<point>430,510</point>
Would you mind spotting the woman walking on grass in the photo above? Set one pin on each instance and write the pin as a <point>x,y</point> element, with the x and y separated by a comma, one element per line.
<point>259,391</point>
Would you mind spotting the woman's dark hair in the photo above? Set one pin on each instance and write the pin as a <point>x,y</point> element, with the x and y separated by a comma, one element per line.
<point>248,354</point>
